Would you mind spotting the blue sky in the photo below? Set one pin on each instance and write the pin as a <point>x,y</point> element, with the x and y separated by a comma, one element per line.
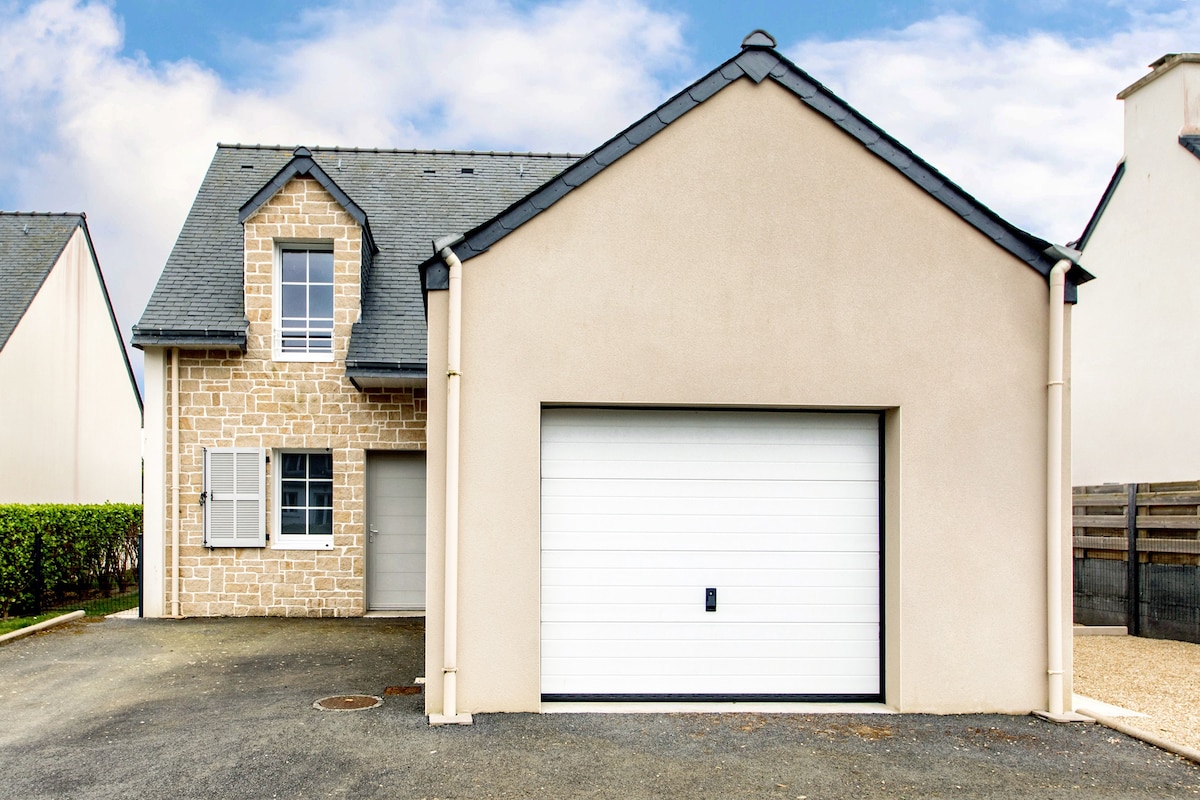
<point>114,107</point>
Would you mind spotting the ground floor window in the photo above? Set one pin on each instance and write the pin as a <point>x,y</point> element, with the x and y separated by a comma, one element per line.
<point>305,506</point>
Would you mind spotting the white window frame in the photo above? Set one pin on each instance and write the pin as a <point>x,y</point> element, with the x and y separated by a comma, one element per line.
<point>243,506</point>
<point>296,541</point>
<point>277,351</point>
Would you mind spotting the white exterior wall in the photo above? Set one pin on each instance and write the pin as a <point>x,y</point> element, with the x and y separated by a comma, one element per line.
<point>154,505</point>
<point>70,426</point>
<point>1136,334</point>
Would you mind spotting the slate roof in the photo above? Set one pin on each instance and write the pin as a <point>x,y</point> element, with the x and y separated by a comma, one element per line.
<point>30,245</point>
<point>409,197</point>
<point>759,61</point>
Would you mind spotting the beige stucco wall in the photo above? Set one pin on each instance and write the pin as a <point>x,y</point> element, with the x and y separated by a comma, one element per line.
<point>1136,332</point>
<point>228,399</point>
<point>752,255</point>
<point>70,426</point>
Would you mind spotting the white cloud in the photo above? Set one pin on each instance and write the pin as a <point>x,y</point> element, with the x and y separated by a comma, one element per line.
<point>127,141</point>
<point>1029,125</point>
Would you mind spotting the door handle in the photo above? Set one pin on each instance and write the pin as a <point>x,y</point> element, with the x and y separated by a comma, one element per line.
<point>710,599</point>
<point>372,530</point>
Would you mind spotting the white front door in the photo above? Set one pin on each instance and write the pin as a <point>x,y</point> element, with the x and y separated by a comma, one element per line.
<point>396,531</point>
<point>710,554</point>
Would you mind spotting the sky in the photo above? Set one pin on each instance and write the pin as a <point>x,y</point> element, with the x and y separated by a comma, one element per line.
<point>114,107</point>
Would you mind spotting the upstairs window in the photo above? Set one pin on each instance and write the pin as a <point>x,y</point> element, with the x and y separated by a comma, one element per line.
<point>304,329</point>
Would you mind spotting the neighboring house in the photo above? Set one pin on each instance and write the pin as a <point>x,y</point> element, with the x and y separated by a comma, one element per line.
<point>752,402</point>
<point>70,411</point>
<point>1137,385</point>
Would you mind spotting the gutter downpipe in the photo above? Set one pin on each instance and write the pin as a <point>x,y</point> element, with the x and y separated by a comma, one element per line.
<point>175,482</point>
<point>450,715</point>
<point>1055,382</point>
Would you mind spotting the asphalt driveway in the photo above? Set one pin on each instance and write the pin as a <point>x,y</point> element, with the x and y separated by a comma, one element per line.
<point>223,709</point>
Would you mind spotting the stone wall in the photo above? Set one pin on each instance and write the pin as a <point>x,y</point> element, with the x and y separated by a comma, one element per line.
<point>232,400</point>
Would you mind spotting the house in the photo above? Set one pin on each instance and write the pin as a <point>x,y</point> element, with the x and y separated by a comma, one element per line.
<point>70,411</point>
<point>749,402</point>
<point>1136,386</point>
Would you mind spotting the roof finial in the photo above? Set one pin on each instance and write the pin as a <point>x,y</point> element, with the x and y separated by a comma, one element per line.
<point>302,152</point>
<point>758,40</point>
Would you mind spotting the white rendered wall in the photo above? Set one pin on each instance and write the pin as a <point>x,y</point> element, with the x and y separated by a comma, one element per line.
<point>1136,386</point>
<point>154,504</point>
<point>70,427</point>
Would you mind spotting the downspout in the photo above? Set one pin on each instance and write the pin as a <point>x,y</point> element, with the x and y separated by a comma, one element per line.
<point>450,713</point>
<point>175,482</point>
<point>1054,477</point>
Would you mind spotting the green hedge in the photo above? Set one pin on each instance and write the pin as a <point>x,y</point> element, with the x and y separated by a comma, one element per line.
<point>85,550</point>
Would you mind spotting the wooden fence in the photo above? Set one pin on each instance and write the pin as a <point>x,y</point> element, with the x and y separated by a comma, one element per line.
<point>1137,558</point>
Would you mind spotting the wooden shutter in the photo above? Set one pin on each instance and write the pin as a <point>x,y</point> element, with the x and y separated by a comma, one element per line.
<point>235,500</point>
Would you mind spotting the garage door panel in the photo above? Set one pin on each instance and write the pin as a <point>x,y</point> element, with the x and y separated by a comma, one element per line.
<point>686,613</point>
<point>616,487</point>
<point>717,666</point>
<point>682,470</point>
<point>730,596</point>
<point>553,560</point>
<point>711,505</point>
<point>641,510</point>
<point>692,577</point>
<point>748,683</point>
<point>703,425</point>
<point>644,539</point>
<point>571,635</point>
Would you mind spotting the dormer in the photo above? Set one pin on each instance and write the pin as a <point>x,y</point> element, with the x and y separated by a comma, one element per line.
<point>308,251</point>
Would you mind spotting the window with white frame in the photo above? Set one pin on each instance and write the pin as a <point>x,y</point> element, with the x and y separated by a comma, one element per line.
<point>304,506</point>
<point>304,307</point>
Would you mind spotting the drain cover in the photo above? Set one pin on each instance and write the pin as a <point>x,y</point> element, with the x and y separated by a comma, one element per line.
<point>348,702</point>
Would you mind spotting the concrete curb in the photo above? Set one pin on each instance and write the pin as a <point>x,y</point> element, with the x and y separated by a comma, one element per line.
<point>1180,750</point>
<point>41,626</point>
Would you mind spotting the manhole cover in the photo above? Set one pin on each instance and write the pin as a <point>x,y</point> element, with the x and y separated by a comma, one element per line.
<point>348,702</point>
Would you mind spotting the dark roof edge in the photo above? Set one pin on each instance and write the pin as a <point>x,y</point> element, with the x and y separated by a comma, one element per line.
<point>414,151</point>
<point>1094,220</point>
<point>1191,143</point>
<point>81,221</point>
<point>380,368</point>
<point>385,375</point>
<point>193,338</point>
<point>303,165</point>
<point>112,316</point>
<point>757,63</point>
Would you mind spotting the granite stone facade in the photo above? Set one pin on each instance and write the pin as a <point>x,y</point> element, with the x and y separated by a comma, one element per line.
<point>229,399</point>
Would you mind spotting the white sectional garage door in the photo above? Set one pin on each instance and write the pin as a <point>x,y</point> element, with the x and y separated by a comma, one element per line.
<point>644,511</point>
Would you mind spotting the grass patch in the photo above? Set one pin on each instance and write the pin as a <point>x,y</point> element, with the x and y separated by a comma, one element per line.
<point>16,623</point>
<point>98,607</point>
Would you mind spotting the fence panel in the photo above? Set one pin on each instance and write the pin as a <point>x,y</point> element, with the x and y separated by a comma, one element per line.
<point>1137,558</point>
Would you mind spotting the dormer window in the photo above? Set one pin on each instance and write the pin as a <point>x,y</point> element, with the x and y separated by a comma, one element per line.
<point>304,318</point>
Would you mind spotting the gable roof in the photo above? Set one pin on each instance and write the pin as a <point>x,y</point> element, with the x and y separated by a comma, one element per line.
<point>1094,220</point>
<point>757,61</point>
<point>409,198</point>
<point>30,245</point>
<point>303,166</point>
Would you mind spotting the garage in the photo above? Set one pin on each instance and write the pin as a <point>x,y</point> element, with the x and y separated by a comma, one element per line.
<point>710,554</point>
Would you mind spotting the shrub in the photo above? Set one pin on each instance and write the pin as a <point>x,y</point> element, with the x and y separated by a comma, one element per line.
<point>82,550</point>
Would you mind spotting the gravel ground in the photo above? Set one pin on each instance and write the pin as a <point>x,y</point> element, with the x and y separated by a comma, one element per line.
<point>1156,677</point>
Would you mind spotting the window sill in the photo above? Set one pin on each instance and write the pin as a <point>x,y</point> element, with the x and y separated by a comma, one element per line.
<point>305,543</point>
<point>277,356</point>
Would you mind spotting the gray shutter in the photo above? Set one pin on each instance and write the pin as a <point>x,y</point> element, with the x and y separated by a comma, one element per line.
<point>235,508</point>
